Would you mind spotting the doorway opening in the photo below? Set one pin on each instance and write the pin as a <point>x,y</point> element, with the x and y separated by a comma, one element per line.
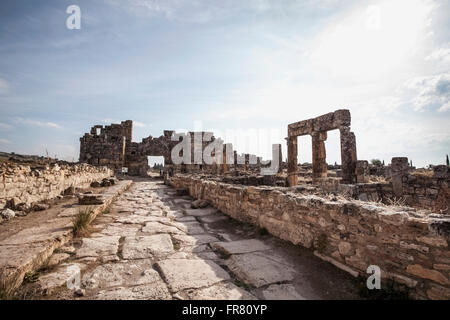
<point>155,163</point>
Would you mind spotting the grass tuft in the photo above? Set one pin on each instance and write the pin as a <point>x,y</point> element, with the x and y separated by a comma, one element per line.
<point>81,222</point>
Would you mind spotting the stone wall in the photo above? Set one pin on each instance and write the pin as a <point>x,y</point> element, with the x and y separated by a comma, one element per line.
<point>410,247</point>
<point>431,192</point>
<point>31,184</point>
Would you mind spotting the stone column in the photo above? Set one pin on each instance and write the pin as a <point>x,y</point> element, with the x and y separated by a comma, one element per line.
<point>399,168</point>
<point>280,160</point>
<point>348,155</point>
<point>292,161</point>
<point>246,161</point>
<point>319,154</point>
<point>225,158</point>
<point>362,171</point>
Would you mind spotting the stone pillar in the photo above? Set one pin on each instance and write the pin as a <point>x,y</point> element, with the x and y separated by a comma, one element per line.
<point>292,161</point>
<point>246,162</point>
<point>399,168</point>
<point>362,171</point>
<point>224,159</point>
<point>348,155</point>
<point>319,154</point>
<point>280,159</point>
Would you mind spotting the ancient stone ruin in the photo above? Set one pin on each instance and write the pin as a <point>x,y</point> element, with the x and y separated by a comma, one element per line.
<point>317,128</point>
<point>217,224</point>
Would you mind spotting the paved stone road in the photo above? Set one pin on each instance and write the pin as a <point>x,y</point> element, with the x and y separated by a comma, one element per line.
<point>152,245</point>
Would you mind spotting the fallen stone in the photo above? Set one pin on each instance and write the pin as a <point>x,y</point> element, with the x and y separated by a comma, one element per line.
<point>41,207</point>
<point>25,207</point>
<point>69,191</point>
<point>200,203</point>
<point>7,214</point>
<point>95,184</point>
<point>105,183</point>
<point>90,199</point>
<point>183,274</point>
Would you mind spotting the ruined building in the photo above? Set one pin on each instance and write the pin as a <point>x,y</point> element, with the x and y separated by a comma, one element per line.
<point>112,146</point>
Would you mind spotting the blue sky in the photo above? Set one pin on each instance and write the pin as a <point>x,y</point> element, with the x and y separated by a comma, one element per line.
<point>244,69</point>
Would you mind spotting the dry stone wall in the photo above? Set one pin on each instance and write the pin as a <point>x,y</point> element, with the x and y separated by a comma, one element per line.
<point>409,246</point>
<point>27,184</point>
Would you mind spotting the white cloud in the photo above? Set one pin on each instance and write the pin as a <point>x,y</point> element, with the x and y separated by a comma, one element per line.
<point>203,11</point>
<point>430,91</point>
<point>440,54</point>
<point>4,141</point>
<point>4,86</point>
<point>5,126</point>
<point>37,123</point>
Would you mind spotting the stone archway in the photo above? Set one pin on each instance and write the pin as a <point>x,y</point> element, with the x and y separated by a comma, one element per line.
<point>317,128</point>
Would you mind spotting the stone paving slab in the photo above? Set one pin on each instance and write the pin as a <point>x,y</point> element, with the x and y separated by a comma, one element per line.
<point>137,219</point>
<point>241,246</point>
<point>220,291</point>
<point>257,269</point>
<point>191,240</point>
<point>99,246</point>
<point>281,292</point>
<point>213,218</point>
<point>63,275</point>
<point>147,246</point>
<point>154,227</point>
<point>181,274</point>
<point>154,291</point>
<point>130,273</point>
<point>200,212</point>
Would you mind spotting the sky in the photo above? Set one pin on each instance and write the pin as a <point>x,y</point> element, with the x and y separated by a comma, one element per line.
<point>243,69</point>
